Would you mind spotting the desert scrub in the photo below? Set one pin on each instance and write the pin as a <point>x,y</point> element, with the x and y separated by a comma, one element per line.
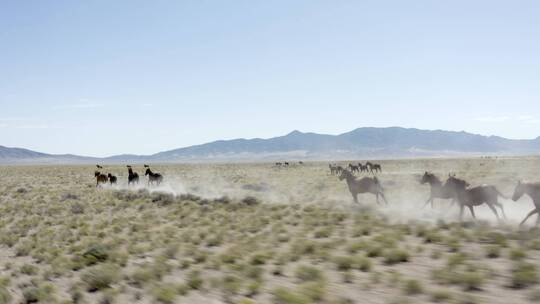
<point>440,296</point>
<point>493,251</point>
<point>344,263</point>
<point>524,275</point>
<point>286,296</point>
<point>42,293</point>
<point>517,254</point>
<point>395,256</point>
<point>194,280</point>
<point>466,276</point>
<point>363,263</point>
<point>307,273</point>
<point>101,276</point>
<point>29,269</point>
<point>314,291</point>
<point>412,287</point>
<point>5,295</point>
<point>165,293</point>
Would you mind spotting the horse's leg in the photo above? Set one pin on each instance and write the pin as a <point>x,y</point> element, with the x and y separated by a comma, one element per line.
<point>494,210</point>
<point>528,215</point>
<point>461,207</point>
<point>384,198</point>
<point>377,197</point>
<point>355,197</point>
<point>502,209</point>
<point>427,202</point>
<point>472,211</point>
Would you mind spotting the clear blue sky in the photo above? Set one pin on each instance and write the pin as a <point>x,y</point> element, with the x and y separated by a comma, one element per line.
<point>107,77</point>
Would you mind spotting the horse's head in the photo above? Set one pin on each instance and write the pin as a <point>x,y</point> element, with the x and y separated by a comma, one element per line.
<point>97,173</point>
<point>148,172</point>
<point>109,175</point>
<point>456,183</point>
<point>519,191</point>
<point>426,178</point>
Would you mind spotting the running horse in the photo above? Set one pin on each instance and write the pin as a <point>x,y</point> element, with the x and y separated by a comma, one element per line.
<point>533,191</point>
<point>153,178</point>
<point>100,178</point>
<point>363,185</point>
<point>437,190</point>
<point>133,177</point>
<point>475,196</point>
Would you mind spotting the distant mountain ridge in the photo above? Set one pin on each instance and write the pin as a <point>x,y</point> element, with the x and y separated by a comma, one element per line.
<point>392,142</point>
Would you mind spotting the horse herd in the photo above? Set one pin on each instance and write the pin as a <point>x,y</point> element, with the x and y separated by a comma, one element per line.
<point>133,177</point>
<point>458,190</point>
<point>368,167</point>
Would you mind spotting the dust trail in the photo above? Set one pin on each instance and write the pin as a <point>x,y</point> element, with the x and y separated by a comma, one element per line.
<point>313,184</point>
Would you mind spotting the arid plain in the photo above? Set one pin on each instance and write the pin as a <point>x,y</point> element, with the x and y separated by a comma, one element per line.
<point>257,233</point>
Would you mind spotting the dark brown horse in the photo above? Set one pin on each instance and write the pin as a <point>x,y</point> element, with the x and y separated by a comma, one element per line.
<point>533,191</point>
<point>362,168</point>
<point>353,168</point>
<point>476,196</point>
<point>373,167</point>
<point>100,178</point>
<point>133,177</point>
<point>112,179</point>
<point>437,190</point>
<point>363,185</point>
<point>153,178</point>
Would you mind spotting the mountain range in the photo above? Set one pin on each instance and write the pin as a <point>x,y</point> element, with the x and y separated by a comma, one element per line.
<point>361,143</point>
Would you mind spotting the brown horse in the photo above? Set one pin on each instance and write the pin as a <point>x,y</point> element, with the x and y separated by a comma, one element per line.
<point>153,177</point>
<point>112,179</point>
<point>437,190</point>
<point>362,168</point>
<point>363,185</point>
<point>100,178</point>
<point>533,190</point>
<point>376,168</point>
<point>354,168</point>
<point>475,196</point>
<point>133,177</point>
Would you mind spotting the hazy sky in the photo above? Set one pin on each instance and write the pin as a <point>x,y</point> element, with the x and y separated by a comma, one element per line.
<point>106,77</point>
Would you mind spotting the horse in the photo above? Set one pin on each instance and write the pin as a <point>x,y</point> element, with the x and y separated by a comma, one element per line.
<point>333,169</point>
<point>153,177</point>
<point>362,168</point>
<point>133,177</point>
<point>286,164</point>
<point>437,190</point>
<point>376,168</point>
<point>278,164</point>
<point>300,162</point>
<point>112,179</point>
<point>533,191</point>
<point>369,167</point>
<point>363,185</point>
<point>99,167</point>
<point>100,178</point>
<point>353,168</point>
<point>475,196</point>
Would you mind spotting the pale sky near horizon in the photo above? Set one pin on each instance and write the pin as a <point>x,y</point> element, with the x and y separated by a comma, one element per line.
<point>99,78</point>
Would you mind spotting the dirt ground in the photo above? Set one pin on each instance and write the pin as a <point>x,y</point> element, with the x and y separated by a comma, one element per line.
<point>257,233</point>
